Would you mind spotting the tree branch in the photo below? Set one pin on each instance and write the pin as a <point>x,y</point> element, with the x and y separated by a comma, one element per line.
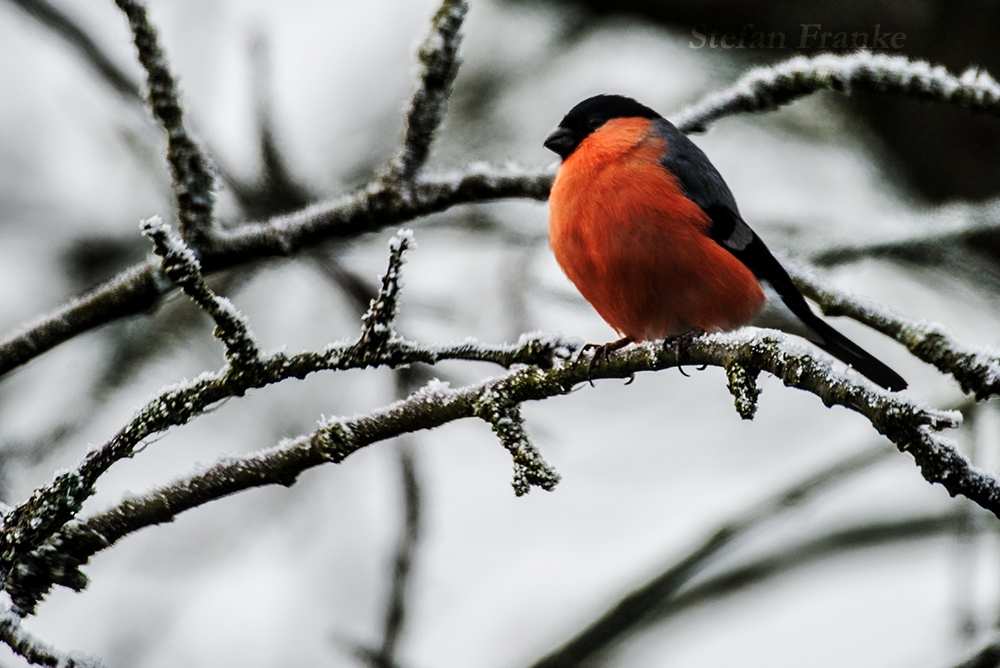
<point>180,264</point>
<point>61,24</point>
<point>910,426</point>
<point>51,506</point>
<point>631,612</point>
<point>987,656</point>
<point>767,88</point>
<point>374,208</point>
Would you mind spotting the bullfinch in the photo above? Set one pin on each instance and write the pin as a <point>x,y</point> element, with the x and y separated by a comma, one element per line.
<point>644,226</point>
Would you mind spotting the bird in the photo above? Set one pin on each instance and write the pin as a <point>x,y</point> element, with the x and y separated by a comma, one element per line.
<point>647,230</point>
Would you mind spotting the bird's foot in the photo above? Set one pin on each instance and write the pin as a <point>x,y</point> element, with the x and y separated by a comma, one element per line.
<point>681,342</point>
<point>601,353</point>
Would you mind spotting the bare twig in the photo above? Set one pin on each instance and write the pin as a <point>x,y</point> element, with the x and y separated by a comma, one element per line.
<point>275,190</point>
<point>406,546</point>
<point>632,610</point>
<point>986,656</point>
<point>59,22</point>
<point>651,606</point>
<point>362,295</point>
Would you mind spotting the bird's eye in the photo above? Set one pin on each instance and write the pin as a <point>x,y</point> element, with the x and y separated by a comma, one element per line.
<point>595,122</point>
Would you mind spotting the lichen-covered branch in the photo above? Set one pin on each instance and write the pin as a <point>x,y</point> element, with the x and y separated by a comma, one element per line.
<point>192,176</point>
<point>910,426</point>
<point>504,417</point>
<point>767,88</point>
<point>976,368</point>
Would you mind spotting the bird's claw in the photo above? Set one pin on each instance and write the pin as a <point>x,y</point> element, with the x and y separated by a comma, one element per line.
<point>682,341</point>
<point>601,353</point>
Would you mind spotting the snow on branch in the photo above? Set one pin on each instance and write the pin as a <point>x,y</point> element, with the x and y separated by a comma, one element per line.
<point>377,332</point>
<point>767,88</point>
<point>35,651</point>
<point>504,416</point>
<point>912,427</point>
<point>180,264</point>
<point>976,368</point>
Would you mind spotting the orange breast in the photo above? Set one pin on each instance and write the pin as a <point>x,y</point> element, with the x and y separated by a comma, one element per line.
<point>635,247</point>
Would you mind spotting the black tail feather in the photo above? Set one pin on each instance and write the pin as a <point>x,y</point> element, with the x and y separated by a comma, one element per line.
<point>733,234</point>
<point>851,353</point>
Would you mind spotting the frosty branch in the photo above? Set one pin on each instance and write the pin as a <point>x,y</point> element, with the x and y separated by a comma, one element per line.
<point>51,506</point>
<point>395,196</point>
<point>55,558</point>
<point>767,88</point>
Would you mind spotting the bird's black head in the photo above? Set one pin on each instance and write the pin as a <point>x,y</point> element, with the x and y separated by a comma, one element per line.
<point>589,115</point>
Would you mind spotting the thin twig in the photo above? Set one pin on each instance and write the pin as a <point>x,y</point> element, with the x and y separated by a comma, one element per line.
<point>659,606</point>
<point>403,559</point>
<point>631,611</point>
<point>438,61</point>
<point>181,266</point>
<point>986,656</point>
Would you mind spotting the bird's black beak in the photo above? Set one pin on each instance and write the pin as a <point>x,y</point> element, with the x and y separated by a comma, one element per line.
<point>562,141</point>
